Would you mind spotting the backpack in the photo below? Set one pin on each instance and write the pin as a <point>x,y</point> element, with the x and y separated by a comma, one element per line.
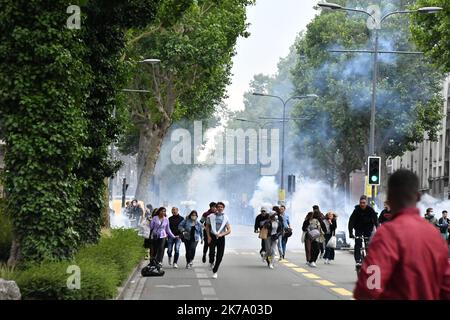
<point>314,229</point>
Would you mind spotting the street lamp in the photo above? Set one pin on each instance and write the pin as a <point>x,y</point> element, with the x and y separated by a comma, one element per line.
<point>376,51</point>
<point>282,194</point>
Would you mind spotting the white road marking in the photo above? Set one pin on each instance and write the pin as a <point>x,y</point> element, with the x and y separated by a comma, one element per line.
<point>208,291</point>
<point>204,283</point>
<point>173,286</point>
<point>201,275</point>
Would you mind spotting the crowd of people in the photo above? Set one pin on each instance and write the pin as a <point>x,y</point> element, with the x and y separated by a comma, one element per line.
<point>161,233</point>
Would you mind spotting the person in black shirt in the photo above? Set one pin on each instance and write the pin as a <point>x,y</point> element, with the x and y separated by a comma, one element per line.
<point>174,222</point>
<point>385,215</point>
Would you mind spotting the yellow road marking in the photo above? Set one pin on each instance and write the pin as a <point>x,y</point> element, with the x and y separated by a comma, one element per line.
<point>342,291</point>
<point>311,276</point>
<point>290,265</point>
<point>301,270</point>
<point>325,283</point>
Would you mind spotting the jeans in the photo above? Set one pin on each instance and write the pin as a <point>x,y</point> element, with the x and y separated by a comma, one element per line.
<point>218,243</point>
<point>190,246</point>
<point>171,242</point>
<point>158,248</point>
<point>329,252</point>
<point>282,246</point>
<point>263,246</point>
<point>358,244</point>
<point>315,249</point>
<point>271,246</point>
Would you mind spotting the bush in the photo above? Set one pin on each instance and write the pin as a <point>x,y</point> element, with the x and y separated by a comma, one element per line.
<point>5,235</point>
<point>103,267</point>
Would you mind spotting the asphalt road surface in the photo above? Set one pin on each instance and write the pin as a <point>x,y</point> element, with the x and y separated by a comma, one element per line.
<point>243,275</point>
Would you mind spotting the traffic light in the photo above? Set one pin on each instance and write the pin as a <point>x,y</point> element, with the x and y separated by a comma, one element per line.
<point>374,171</point>
<point>291,183</point>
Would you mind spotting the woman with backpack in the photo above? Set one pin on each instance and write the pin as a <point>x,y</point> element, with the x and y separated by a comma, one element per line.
<point>275,229</point>
<point>313,227</point>
<point>331,226</point>
<point>192,230</point>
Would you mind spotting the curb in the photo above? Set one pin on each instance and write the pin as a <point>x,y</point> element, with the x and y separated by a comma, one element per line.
<point>127,282</point>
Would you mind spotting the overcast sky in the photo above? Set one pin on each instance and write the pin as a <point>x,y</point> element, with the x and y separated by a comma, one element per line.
<point>274,24</point>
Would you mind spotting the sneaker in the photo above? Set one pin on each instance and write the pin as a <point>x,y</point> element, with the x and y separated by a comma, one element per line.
<point>214,276</point>
<point>170,261</point>
<point>175,266</point>
<point>204,259</point>
<point>211,266</point>
<point>191,264</point>
<point>271,266</point>
<point>187,266</point>
<point>326,261</point>
<point>147,257</point>
<point>313,265</point>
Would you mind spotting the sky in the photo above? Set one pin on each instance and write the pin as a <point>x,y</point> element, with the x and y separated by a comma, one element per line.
<point>274,25</point>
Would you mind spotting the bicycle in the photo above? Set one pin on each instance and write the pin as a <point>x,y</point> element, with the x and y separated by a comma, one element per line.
<point>363,250</point>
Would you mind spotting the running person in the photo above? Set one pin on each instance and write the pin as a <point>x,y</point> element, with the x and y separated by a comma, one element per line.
<point>286,233</point>
<point>174,222</point>
<point>212,209</point>
<point>217,227</point>
<point>192,231</point>
<point>259,221</point>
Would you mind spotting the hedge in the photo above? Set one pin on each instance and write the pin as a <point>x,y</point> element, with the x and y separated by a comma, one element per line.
<point>5,234</point>
<point>103,267</point>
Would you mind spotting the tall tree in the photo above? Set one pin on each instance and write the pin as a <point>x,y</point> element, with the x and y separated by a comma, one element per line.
<point>196,53</point>
<point>408,91</point>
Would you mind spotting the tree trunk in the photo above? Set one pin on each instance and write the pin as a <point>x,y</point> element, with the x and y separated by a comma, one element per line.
<point>14,256</point>
<point>150,142</point>
<point>106,221</point>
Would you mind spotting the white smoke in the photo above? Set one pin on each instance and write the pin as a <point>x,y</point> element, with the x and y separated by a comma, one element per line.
<point>265,195</point>
<point>430,202</point>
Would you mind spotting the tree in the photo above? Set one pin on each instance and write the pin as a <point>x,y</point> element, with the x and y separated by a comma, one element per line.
<point>431,32</point>
<point>337,127</point>
<point>196,52</point>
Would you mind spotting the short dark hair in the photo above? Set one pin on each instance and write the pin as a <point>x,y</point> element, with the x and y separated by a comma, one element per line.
<point>283,206</point>
<point>315,207</point>
<point>445,211</point>
<point>429,209</point>
<point>212,205</point>
<point>221,203</point>
<point>404,185</point>
<point>363,197</point>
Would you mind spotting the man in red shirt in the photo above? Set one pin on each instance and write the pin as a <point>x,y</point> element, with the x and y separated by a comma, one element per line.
<point>407,258</point>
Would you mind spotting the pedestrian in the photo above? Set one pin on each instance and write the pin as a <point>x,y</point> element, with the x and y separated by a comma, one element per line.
<point>313,227</point>
<point>444,225</point>
<point>305,231</point>
<point>385,215</point>
<point>286,233</point>
<point>429,216</point>
<point>192,233</point>
<point>330,222</point>
<point>407,255</point>
<point>135,213</point>
<point>259,222</point>
<point>174,221</point>
<point>160,230</point>
<point>217,228</point>
<point>212,209</point>
<point>275,229</point>
<point>364,221</point>
<point>322,235</point>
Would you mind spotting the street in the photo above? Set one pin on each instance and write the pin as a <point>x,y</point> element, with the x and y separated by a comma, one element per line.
<point>242,275</point>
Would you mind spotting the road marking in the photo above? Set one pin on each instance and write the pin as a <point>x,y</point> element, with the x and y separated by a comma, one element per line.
<point>290,265</point>
<point>342,292</point>
<point>204,283</point>
<point>208,291</point>
<point>199,270</point>
<point>210,298</point>
<point>326,283</point>
<point>311,275</point>
<point>201,275</point>
<point>301,270</point>
<point>173,286</point>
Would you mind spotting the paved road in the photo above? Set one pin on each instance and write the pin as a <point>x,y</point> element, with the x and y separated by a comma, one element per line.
<point>243,275</point>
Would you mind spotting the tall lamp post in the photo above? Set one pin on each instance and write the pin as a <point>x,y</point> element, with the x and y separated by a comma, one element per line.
<point>282,193</point>
<point>377,26</point>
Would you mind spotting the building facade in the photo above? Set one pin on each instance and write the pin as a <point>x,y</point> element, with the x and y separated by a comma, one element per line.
<point>430,161</point>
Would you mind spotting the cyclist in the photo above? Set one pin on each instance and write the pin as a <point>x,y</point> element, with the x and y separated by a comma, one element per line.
<point>364,221</point>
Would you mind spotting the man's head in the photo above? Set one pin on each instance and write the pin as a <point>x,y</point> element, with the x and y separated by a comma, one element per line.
<point>282,209</point>
<point>363,202</point>
<point>263,210</point>
<point>220,207</point>
<point>386,206</point>
<point>444,214</point>
<point>403,190</point>
<point>213,207</point>
<point>175,211</point>
<point>430,212</point>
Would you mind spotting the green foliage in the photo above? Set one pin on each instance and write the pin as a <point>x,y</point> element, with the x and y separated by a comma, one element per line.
<point>6,272</point>
<point>336,127</point>
<point>5,234</point>
<point>431,32</point>
<point>43,83</point>
<point>103,268</point>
